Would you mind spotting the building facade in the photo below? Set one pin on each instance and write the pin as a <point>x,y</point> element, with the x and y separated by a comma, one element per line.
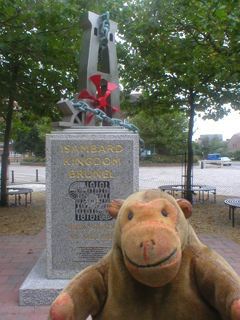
<point>234,142</point>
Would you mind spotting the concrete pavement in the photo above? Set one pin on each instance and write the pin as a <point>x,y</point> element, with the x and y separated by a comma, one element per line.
<point>32,177</point>
<point>225,179</point>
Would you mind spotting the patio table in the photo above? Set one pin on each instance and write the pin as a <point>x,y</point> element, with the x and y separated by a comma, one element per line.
<point>233,204</point>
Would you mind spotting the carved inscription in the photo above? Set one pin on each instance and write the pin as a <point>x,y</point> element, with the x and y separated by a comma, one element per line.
<point>91,161</point>
<point>91,232</point>
<point>89,254</point>
<point>110,148</point>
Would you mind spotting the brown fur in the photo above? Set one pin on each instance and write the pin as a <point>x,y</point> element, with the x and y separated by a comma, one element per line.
<point>156,270</point>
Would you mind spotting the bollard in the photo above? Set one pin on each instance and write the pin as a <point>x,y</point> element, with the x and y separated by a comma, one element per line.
<point>36,175</point>
<point>12,176</point>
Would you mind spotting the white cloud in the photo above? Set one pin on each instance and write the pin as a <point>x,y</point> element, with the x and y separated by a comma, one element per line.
<point>227,126</point>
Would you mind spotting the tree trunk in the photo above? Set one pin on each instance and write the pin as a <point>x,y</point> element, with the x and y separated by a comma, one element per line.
<point>5,155</point>
<point>189,195</point>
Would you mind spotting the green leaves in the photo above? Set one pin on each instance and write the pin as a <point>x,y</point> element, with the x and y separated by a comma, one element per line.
<point>221,13</point>
<point>39,55</point>
<point>166,133</point>
<point>181,47</point>
<point>183,55</point>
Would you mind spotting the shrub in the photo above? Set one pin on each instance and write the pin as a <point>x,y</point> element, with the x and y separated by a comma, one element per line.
<point>235,155</point>
<point>33,160</point>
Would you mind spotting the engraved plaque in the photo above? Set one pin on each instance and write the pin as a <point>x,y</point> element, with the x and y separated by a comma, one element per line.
<point>91,200</point>
<point>89,254</point>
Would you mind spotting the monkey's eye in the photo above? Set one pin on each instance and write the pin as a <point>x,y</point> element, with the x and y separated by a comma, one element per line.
<point>130,216</point>
<point>164,213</point>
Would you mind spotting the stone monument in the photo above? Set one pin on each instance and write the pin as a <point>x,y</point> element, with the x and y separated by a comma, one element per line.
<point>86,169</point>
<point>89,163</point>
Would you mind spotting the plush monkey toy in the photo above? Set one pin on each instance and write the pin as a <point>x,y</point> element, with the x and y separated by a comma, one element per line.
<point>157,270</point>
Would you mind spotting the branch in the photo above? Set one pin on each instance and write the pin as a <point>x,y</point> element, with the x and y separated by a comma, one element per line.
<point>204,81</point>
<point>12,18</point>
<point>19,11</point>
<point>188,28</point>
<point>57,30</point>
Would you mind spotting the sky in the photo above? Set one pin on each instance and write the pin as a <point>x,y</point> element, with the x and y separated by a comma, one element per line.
<point>227,126</point>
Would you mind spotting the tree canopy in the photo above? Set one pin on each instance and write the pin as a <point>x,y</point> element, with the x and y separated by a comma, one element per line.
<point>167,133</point>
<point>34,47</point>
<point>182,54</point>
<point>39,58</point>
<point>172,49</point>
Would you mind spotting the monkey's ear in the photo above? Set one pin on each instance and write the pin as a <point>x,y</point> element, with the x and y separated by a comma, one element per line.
<point>114,207</point>
<point>186,207</point>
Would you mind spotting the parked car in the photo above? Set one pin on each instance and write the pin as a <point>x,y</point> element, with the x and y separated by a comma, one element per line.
<point>226,161</point>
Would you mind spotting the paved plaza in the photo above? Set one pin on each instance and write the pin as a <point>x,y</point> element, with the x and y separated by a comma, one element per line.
<point>225,179</point>
<point>18,254</point>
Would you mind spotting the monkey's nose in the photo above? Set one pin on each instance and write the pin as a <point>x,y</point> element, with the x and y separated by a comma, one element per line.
<point>149,243</point>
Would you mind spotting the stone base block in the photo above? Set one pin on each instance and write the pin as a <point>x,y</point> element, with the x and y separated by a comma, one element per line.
<point>37,290</point>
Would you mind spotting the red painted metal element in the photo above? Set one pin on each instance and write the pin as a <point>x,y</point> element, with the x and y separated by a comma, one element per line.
<point>101,101</point>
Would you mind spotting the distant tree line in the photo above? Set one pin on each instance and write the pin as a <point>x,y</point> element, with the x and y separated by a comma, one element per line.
<point>164,134</point>
<point>31,138</point>
<point>214,145</point>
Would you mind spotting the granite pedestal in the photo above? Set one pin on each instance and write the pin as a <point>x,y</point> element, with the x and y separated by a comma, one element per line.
<point>86,169</point>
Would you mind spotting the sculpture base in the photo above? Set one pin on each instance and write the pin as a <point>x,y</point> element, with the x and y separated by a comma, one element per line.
<point>37,289</point>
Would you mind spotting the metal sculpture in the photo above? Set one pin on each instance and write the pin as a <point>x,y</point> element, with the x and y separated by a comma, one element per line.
<point>99,57</point>
<point>98,74</point>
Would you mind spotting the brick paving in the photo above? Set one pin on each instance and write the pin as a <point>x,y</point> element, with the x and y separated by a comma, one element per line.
<point>18,255</point>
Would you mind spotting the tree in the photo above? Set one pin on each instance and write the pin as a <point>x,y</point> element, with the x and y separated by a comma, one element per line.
<point>167,132</point>
<point>29,141</point>
<point>206,147</point>
<point>183,55</point>
<point>213,145</point>
<point>39,57</point>
<point>30,137</point>
<point>218,146</point>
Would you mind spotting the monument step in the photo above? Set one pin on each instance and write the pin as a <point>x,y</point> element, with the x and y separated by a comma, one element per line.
<point>37,289</point>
